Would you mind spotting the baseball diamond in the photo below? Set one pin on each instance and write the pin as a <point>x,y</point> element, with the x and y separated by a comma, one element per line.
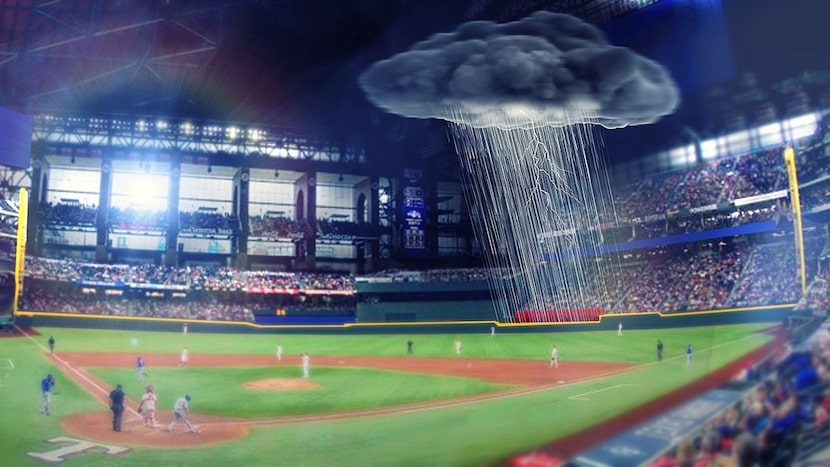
<point>492,386</point>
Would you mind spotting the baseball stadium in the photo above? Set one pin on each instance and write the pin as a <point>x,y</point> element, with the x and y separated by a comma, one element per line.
<point>575,233</point>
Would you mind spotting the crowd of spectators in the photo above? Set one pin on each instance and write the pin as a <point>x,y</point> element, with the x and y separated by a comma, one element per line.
<point>434,275</point>
<point>817,299</point>
<point>723,180</point>
<point>279,227</point>
<point>189,277</point>
<point>816,196</point>
<point>771,274</point>
<point>134,219</point>
<point>68,214</point>
<point>726,273</point>
<point>784,409</point>
<point>212,310</point>
<point>207,222</point>
<point>684,278</point>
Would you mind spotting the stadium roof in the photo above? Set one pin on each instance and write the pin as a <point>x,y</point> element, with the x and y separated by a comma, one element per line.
<point>295,63</point>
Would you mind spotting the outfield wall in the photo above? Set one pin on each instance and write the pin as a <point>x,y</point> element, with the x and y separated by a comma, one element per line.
<point>390,301</point>
<point>608,323</point>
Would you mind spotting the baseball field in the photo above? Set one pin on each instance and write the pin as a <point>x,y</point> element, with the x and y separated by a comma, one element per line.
<point>366,402</point>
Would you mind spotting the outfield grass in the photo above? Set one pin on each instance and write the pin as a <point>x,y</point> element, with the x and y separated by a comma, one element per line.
<point>631,347</point>
<point>479,433</point>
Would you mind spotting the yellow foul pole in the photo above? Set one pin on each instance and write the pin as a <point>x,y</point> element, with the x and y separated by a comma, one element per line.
<point>789,160</point>
<point>20,249</point>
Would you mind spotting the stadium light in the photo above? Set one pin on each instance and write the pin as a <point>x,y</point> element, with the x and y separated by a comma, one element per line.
<point>233,132</point>
<point>187,128</point>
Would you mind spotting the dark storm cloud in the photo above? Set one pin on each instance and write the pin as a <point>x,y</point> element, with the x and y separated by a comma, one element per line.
<point>546,69</point>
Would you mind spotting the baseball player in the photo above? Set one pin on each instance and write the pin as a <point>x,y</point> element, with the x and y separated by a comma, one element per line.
<point>184,361</point>
<point>278,352</point>
<point>46,385</point>
<point>689,355</point>
<point>147,407</point>
<point>619,329</point>
<point>181,412</point>
<point>51,344</point>
<point>659,350</point>
<point>140,368</point>
<point>458,345</point>
<point>306,360</point>
<point>554,357</point>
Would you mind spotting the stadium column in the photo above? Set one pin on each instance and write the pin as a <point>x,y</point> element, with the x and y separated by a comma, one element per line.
<point>241,198</point>
<point>305,194</point>
<point>365,201</point>
<point>102,215</point>
<point>37,195</point>
<point>171,251</point>
<point>374,220</point>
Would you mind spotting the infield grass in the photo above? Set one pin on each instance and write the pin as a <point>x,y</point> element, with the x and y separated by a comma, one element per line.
<point>221,392</point>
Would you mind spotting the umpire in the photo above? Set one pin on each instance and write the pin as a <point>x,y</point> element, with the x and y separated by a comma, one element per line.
<point>117,407</point>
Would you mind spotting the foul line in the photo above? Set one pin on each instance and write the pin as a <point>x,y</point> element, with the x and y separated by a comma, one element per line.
<point>74,370</point>
<point>582,397</point>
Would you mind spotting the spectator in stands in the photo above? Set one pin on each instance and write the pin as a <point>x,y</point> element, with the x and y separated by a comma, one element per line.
<point>745,451</point>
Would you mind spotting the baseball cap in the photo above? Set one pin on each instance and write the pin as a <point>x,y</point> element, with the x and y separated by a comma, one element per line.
<point>187,397</point>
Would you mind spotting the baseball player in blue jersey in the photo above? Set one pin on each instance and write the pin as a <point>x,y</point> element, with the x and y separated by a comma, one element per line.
<point>46,385</point>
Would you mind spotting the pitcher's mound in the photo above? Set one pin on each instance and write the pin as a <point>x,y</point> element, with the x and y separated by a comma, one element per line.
<point>281,384</point>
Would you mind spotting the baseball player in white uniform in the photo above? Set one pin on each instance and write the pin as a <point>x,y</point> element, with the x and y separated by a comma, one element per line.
<point>554,357</point>
<point>278,352</point>
<point>185,358</point>
<point>458,345</point>
<point>305,362</point>
<point>147,407</point>
<point>181,412</point>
